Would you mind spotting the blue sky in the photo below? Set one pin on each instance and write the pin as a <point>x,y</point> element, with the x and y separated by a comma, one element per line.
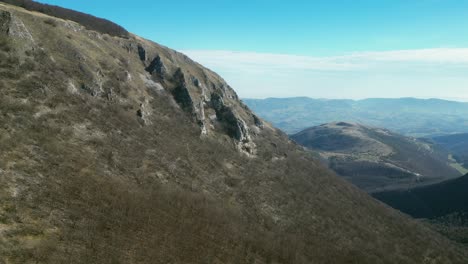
<point>322,48</point>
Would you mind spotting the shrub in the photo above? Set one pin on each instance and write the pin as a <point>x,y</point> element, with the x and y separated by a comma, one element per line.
<point>51,22</point>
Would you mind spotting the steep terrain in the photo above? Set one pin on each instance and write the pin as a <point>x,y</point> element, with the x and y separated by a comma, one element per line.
<point>119,150</point>
<point>457,145</point>
<point>445,204</point>
<point>431,201</point>
<point>407,116</point>
<point>374,158</point>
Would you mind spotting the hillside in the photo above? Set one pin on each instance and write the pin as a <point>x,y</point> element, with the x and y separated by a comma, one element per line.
<point>431,201</point>
<point>456,144</point>
<point>120,150</point>
<point>444,204</point>
<point>407,116</point>
<point>374,158</point>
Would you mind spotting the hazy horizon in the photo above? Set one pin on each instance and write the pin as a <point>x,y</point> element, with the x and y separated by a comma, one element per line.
<point>460,100</point>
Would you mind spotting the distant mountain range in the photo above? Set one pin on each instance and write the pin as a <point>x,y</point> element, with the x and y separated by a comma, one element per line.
<point>408,116</point>
<point>375,158</point>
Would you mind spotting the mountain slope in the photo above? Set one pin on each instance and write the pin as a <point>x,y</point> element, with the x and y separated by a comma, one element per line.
<point>456,144</point>
<point>375,158</point>
<point>119,150</point>
<point>407,116</point>
<point>445,205</point>
<point>430,201</point>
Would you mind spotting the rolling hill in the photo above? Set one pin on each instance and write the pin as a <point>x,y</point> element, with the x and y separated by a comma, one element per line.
<point>407,116</point>
<point>374,158</point>
<point>115,149</point>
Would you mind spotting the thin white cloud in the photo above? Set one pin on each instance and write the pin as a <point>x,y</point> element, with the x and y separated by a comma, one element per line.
<point>438,72</point>
<point>438,55</point>
<point>355,61</point>
<point>222,58</point>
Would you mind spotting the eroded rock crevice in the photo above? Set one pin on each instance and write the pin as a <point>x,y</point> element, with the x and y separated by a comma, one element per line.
<point>157,68</point>
<point>233,125</point>
<point>181,93</point>
<point>142,53</point>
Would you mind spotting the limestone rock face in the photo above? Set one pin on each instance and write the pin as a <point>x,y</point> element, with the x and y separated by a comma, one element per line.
<point>142,53</point>
<point>200,93</point>
<point>157,67</point>
<point>182,94</point>
<point>234,125</point>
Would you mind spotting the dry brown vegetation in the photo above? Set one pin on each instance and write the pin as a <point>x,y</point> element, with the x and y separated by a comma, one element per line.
<point>83,180</point>
<point>90,22</point>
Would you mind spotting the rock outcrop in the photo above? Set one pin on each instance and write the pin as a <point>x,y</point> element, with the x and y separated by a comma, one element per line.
<point>233,124</point>
<point>200,94</point>
<point>157,68</point>
<point>142,53</point>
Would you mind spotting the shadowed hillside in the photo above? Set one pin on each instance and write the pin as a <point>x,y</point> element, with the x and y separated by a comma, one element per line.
<point>456,144</point>
<point>374,158</point>
<point>444,204</point>
<point>430,201</point>
<point>119,150</point>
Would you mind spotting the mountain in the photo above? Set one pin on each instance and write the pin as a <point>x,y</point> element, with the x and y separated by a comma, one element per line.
<point>375,158</point>
<point>119,150</point>
<point>456,144</point>
<point>407,116</point>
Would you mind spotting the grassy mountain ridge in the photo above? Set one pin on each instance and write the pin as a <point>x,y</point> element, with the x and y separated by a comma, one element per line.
<point>119,150</point>
<point>407,116</point>
<point>375,158</point>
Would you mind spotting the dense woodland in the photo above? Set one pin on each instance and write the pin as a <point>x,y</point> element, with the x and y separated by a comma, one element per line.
<point>457,144</point>
<point>431,201</point>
